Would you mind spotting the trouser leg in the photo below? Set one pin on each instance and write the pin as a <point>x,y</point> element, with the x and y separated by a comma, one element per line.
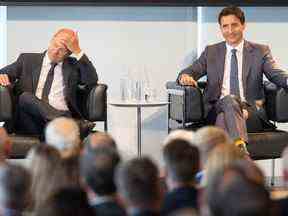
<point>37,111</point>
<point>230,118</point>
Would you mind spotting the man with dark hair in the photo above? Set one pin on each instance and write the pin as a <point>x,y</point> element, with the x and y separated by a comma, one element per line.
<point>139,185</point>
<point>66,201</point>
<point>97,169</point>
<point>231,193</point>
<point>15,183</point>
<point>182,162</point>
<point>235,70</point>
<point>47,82</point>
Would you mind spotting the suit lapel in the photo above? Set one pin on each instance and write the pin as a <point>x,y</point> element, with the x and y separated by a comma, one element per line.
<point>66,72</point>
<point>221,63</point>
<point>35,72</point>
<point>246,64</point>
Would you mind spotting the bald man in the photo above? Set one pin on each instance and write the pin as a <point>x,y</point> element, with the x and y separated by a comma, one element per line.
<point>47,82</point>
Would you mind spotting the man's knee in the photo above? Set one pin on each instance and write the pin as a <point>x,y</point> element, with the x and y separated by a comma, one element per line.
<point>232,101</point>
<point>25,99</point>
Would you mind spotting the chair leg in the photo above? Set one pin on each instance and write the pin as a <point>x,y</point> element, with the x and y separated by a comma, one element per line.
<point>105,126</point>
<point>272,183</point>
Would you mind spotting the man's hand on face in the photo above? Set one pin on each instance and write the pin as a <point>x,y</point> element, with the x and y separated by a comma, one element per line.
<point>72,43</point>
<point>185,79</point>
<point>4,80</point>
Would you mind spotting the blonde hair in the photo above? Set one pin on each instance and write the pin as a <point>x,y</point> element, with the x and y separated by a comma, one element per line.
<point>221,157</point>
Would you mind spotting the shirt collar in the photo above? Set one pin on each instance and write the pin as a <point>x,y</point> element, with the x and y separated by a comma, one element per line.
<point>239,47</point>
<point>47,61</point>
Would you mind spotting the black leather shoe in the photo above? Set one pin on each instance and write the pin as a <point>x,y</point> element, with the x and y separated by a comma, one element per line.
<point>85,127</point>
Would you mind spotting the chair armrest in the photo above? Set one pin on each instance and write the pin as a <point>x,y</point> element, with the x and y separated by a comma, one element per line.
<point>186,103</point>
<point>5,104</point>
<point>276,102</point>
<point>95,106</point>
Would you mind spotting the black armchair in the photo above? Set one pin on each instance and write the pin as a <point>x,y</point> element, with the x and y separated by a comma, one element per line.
<point>186,110</point>
<point>92,103</point>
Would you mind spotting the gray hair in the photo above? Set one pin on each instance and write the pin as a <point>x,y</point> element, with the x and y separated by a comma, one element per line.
<point>62,133</point>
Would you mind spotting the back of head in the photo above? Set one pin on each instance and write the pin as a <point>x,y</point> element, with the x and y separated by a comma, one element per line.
<point>235,195</point>
<point>66,202</point>
<point>15,182</point>
<point>46,170</point>
<point>98,169</point>
<point>181,160</point>
<point>138,182</point>
<point>250,170</point>
<point>188,136</point>
<point>206,138</point>
<point>98,139</point>
<point>63,133</point>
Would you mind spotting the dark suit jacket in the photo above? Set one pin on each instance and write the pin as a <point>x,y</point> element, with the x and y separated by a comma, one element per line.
<point>184,197</point>
<point>109,209</point>
<point>26,69</point>
<point>257,61</point>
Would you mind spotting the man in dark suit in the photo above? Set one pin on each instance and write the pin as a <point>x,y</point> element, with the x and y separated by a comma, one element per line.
<point>234,70</point>
<point>138,185</point>
<point>182,162</point>
<point>97,169</point>
<point>47,82</point>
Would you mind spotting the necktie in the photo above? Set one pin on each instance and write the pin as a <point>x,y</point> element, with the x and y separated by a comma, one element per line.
<point>48,82</point>
<point>234,80</point>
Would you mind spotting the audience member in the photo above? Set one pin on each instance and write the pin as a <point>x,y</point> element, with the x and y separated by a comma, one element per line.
<point>232,194</point>
<point>138,184</point>
<point>281,204</point>
<point>66,202</point>
<point>98,169</point>
<point>188,136</point>
<point>181,165</point>
<point>47,174</point>
<point>220,157</point>
<point>98,139</point>
<point>206,138</point>
<point>63,133</point>
<point>15,182</point>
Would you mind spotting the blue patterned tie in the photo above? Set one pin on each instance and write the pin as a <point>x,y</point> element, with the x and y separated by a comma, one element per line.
<point>234,80</point>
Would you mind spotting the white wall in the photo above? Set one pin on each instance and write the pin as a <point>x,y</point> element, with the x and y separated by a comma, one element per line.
<point>116,38</point>
<point>3,52</point>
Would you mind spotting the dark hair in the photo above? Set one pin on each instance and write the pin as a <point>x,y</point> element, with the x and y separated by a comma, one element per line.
<point>232,10</point>
<point>66,202</point>
<point>98,139</point>
<point>138,181</point>
<point>98,168</point>
<point>182,160</point>
<point>15,183</point>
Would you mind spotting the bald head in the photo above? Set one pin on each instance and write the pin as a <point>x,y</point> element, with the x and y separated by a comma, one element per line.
<point>63,133</point>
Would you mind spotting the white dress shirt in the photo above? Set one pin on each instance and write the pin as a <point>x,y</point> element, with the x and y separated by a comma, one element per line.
<point>227,67</point>
<point>56,96</point>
